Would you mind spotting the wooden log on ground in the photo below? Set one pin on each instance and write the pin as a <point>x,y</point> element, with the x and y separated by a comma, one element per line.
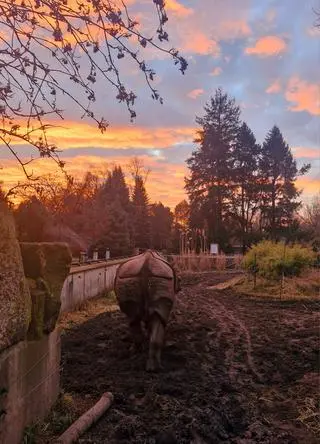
<point>85,421</point>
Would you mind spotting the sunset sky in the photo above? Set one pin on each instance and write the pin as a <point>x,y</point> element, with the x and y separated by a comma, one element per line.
<point>265,53</point>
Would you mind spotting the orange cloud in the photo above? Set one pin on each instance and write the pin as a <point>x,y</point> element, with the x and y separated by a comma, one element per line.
<point>195,93</point>
<point>308,185</point>
<point>267,46</point>
<point>216,72</point>
<point>165,182</point>
<point>275,87</point>
<point>311,153</point>
<point>304,96</point>
<point>199,43</point>
<point>232,29</point>
<point>178,9</point>
<point>82,135</point>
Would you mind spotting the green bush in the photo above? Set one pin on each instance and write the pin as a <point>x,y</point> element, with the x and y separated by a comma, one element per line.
<point>270,259</point>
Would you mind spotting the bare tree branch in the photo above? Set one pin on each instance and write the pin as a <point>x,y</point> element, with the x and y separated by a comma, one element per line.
<point>48,46</point>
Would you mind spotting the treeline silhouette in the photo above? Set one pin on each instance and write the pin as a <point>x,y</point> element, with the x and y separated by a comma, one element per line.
<point>96,213</point>
<point>239,193</point>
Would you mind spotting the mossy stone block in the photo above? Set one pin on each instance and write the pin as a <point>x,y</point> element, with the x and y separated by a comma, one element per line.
<point>15,301</point>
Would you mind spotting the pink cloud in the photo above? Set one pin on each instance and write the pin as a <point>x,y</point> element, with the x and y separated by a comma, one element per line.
<point>216,71</point>
<point>232,29</point>
<point>267,46</point>
<point>195,93</point>
<point>310,153</point>
<point>313,32</point>
<point>199,43</point>
<point>274,88</point>
<point>177,8</point>
<point>303,95</point>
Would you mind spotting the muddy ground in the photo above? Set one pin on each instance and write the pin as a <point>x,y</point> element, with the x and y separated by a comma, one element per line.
<point>236,370</point>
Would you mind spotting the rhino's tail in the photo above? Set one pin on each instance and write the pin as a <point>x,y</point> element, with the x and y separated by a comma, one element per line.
<point>146,275</point>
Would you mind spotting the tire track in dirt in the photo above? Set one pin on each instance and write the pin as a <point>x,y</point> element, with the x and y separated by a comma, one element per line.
<point>232,333</point>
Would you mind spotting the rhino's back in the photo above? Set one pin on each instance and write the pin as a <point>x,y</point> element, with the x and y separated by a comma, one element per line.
<point>145,285</point>
<point>153,263</point>
<point>131,268</point>
<point>159,268</point>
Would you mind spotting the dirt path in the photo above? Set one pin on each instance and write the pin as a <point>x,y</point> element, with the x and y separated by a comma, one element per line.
<point>236,370</point>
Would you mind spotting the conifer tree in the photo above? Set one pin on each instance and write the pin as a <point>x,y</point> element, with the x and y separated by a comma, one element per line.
<point>161,219</point>
<point>116,234</point>
<point>210,164</point>
<point>113,210</point>
<point>141,215</point>
<point>246,194</point>
<point>279,172</point>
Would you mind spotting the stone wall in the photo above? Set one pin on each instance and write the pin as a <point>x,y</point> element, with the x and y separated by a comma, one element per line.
<point>31,280</point>
<point>15,302</point>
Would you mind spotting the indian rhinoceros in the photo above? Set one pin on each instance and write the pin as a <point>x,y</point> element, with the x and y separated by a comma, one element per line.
<point>145,287</point>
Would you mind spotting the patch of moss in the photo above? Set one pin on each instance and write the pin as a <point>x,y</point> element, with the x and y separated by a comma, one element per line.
<point>46,266</point>
<point>37,312</point>
<point>15,301</point>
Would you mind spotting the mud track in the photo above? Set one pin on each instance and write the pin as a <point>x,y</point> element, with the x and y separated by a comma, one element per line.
<point>236,370</point>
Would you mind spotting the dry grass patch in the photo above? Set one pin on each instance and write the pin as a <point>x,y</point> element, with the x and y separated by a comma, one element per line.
<point>306,286</point>
<point>88,310</point>
<point>65,411</point>
<point>205,262</point>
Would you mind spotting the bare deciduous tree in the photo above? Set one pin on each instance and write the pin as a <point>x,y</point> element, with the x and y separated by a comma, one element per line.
<point>137,168</point>
<point>48,46</point>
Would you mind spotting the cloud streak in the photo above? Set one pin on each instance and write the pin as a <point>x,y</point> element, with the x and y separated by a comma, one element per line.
<point>74,134</point>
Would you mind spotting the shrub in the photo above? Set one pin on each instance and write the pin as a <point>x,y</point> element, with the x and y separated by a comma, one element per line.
<point>269,259</point>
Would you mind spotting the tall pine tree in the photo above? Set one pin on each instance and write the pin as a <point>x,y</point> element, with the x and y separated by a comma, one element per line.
<point>246,194</point>
<point>211,165</point>
<point>278,171</point>
<point>116,235</point>
<point>161,219</point>
<point>141,215</point>
<point>114,209</point>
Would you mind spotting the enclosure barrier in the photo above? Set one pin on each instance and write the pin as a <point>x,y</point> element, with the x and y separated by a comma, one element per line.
<point>88,281</point>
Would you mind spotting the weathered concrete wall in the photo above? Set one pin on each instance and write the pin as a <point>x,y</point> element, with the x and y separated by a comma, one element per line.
<point>15,302</point>
<point>46,266</point>
<point>29,384</point>
<point>87,282</point>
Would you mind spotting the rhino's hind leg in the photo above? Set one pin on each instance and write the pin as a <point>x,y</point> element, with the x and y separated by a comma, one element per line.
<point>157,331</point>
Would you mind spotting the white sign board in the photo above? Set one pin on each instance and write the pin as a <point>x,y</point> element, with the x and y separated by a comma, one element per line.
<point>214,248</point>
